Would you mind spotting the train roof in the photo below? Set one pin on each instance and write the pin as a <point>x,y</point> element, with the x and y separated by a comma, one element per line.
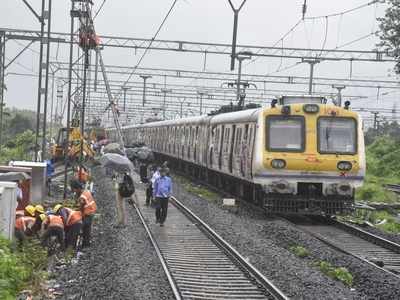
<point>238,116</point>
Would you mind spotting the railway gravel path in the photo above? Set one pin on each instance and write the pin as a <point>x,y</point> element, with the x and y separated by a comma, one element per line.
<point>121,263</point>
<point>265,241</point>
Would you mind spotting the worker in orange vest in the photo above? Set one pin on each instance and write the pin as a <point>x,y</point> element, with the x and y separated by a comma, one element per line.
<point>22,225</point>
<point>88,208</point>
<point>54,226</point>
<point>72,220</point>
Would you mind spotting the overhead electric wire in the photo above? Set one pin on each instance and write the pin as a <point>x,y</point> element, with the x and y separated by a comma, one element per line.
<point>99,10</point>
<point>148,47</point>
<point>343,12</point>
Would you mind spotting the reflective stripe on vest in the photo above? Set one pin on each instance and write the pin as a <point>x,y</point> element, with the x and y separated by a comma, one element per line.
<point>90,206</point>
<point>54,220</point>
<point>74,217</point>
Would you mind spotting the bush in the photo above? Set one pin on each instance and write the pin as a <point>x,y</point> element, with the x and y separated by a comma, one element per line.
<point>299,251</point>
<point>19,270</point>
<point>341,273</point>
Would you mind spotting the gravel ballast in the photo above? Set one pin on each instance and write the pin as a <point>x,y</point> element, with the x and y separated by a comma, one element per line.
<point>265,241</point>
<point>121,263</point>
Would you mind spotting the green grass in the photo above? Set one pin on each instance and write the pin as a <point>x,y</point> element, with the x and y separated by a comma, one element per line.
<point>383,167</point>
<point>202,192</point>
<point>198,190</point>
<point>299,251</point>
<point>340,274</point>
<point>22,269</point>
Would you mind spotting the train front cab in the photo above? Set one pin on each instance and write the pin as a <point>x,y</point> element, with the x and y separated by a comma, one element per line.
<point>312,158</point>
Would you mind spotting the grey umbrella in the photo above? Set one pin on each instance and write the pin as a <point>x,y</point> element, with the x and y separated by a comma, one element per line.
<point>113,148</point>
<point>13,176</point>
<point>116,162</point>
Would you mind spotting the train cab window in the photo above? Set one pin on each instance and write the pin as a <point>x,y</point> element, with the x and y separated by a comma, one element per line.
<point>337,135</point>
<point>285,134</point>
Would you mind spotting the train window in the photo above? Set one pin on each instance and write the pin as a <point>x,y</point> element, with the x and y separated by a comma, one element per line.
<point>285,134</point>
<point>337,135</point>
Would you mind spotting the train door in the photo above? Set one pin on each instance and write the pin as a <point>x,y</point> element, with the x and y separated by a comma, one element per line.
<point>195,144</point>
<point>250,145</point>
<point>231,142</point>
<point>221,146</point>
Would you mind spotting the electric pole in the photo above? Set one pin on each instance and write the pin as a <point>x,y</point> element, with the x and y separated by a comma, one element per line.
<point>165,91</point>
<point>241,56</point>
<point>124,89</point>
<point>235,27</point>
<point>2,85</point>
<point>201,94</point>
<point>144,77</point>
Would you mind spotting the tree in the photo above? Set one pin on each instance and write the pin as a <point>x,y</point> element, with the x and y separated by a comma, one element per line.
<point>390,31</point>
<point>19,124</point>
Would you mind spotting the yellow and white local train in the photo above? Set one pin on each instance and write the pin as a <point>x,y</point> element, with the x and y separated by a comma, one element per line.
<point>301,155</point>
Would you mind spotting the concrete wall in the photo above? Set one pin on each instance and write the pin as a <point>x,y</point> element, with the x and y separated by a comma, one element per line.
<point>8,204</point>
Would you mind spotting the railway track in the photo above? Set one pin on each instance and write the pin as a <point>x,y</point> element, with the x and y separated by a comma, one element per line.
<point>199,264</point>
<point>374,250</point>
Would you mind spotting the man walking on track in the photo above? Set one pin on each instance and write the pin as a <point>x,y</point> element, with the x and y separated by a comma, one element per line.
<point>161,192</point>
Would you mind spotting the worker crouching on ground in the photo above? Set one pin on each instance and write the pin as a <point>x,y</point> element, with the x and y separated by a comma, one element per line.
<point>53,226</point>
<point>24,221</point>
<point>72,220</point>
<point>88,208</point>
<point>162,191</point>
<point>126,189</point>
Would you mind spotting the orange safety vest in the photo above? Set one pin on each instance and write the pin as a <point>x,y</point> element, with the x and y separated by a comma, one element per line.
<point>89,206</point>
<point>53,220</point>
<point>21,223</point>
<point>74,217</point>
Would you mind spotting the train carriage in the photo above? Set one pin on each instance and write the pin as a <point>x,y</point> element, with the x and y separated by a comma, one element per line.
<point>301,155</point>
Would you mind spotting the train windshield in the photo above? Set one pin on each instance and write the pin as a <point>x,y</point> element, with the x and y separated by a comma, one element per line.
<point>337,135</point>
<point>285,134</point>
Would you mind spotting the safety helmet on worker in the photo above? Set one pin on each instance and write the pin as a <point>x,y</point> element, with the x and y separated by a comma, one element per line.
<point>57,208</point>
<point>30,209</point>
<point>40,209</point>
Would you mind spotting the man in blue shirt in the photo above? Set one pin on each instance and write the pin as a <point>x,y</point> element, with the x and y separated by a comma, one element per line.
<point>161,192</point>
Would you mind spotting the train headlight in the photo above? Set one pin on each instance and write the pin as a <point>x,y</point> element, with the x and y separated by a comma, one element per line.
<point>311,108</point>
<point>344,165</point>
<point>278,163</point>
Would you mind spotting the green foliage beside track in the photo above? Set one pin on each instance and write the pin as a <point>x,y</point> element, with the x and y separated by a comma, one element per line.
<point>22,269</point>
<point>383,167</point>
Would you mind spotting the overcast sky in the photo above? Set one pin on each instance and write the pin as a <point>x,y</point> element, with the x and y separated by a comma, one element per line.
<point>262,22</point>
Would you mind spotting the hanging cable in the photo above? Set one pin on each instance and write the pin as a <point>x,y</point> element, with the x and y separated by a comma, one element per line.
<point>326,35</point>
<point>99,10</point>
<point>344,12</point>
<point>148,47</point>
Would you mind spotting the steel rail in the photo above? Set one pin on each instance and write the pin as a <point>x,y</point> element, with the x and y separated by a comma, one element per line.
<point>167,272</point>
<point>232,252</point>
<point>346,247</point>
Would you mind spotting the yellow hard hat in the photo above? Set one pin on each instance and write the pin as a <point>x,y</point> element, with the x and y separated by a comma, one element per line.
<point>42,217</point>
<point>39,208</point>
<point>57,208</point>
<point>30,209</point>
